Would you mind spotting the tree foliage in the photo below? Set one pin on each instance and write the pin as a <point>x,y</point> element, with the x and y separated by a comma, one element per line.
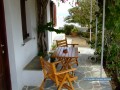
<point>81,12</point>
<point>48,27</point>
<point>111,58</point>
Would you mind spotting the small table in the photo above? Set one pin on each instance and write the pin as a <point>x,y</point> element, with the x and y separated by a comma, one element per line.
<point>67,57</point>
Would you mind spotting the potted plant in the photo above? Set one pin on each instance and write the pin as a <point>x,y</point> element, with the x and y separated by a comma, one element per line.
<point>74,31</point>
<point>53,46</point>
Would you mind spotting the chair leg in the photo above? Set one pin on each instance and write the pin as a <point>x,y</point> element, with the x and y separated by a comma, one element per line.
<point>77,62</point>
<point>66,77</point>
<point>42,85</point>
<point>70,83</point>
<point>62,82</point>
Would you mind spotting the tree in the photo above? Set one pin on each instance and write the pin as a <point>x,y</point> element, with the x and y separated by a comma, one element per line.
<point>81,12</point>
<point>43,26</point>
<point>41,10</point>
<point>111,58</point>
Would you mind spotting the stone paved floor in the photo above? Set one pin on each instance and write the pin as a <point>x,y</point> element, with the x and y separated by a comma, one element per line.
<point>86,69</point>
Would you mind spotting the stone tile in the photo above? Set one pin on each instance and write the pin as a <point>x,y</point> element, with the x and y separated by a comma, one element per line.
<point>96,83</point>
<point>75,85</point>
<point>48,83</point>
<point>104,83</point>
<point>81,63</point>
<point>106,88</point>
<point>89,68</point>
<point>98,88</point>
<point>85,85</point>
<point>82,69</point>
<point>78,89</point>
<point>35,63</point>
<point>97,68</point>
<point>88,75</point>
<point>96,74</point>
<point>79,75</point>
<point>51,88</point>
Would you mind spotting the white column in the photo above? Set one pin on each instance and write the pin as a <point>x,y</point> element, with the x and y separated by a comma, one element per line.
<point>90,19</point>
<point>103,30</point>
<point>49,37</point>
<point>96,33</point>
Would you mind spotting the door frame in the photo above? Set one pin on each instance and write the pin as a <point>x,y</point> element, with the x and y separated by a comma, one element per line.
<point>4,38</point>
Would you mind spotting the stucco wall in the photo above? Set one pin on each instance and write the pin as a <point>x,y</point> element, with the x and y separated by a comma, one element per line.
<point>49,33</point>
<point>19,55</point>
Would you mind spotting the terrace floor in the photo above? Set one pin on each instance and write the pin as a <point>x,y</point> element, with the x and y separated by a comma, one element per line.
<point>79,40</point>
<point>87,69</point>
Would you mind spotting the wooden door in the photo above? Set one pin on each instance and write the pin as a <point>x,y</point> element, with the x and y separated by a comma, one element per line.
<point>4,62</point>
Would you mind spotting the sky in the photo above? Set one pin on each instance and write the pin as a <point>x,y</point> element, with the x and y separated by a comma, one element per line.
<point>62,12</point>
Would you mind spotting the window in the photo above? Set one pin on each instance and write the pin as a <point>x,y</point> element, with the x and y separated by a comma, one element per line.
<point>53,13</point>
<point>23,18</point>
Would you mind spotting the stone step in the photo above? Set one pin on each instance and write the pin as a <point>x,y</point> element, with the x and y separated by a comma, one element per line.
<point>35,63</point>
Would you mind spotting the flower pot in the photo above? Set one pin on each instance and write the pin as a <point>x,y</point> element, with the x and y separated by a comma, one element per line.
<point>74,34</point>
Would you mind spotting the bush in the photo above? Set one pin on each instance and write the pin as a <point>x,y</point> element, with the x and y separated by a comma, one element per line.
<point>68,29</point>
<point>74,30</point>
<point>84,34</point>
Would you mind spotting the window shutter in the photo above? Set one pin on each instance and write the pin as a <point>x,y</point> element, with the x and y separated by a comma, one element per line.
<point>54,15</point>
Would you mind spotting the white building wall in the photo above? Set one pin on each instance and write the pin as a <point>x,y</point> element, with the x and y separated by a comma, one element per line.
<point>49,33</point>
<point>19,55</point>
<point>54,35</point>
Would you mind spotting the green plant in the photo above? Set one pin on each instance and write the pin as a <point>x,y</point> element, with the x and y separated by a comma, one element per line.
<point>84,34</point>
<point>111,58</point>
<point>54,46</point>
<point>41,31</point>
<point>48,27</point>
<point>74,30</point>
<point>81,13</point>
<point>40,53</point>
<point>68,28</point>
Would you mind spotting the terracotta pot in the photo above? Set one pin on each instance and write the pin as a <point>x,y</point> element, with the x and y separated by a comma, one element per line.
<point>74,34</point>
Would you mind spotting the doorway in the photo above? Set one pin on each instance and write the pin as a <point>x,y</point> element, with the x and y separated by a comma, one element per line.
<point>5,83</point>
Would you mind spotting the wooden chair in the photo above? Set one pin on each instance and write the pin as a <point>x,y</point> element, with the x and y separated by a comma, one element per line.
<point>62,78</point>
<point>63,43</point>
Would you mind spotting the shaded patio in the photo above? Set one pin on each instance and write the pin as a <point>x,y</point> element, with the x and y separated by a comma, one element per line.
<point>86,69</point>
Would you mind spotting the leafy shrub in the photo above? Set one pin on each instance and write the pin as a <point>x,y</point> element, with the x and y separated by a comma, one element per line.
<point>84,34</point>
<point>74,29</point>
<point>68,29</point>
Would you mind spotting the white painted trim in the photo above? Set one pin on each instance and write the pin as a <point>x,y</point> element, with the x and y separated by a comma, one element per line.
<point>103,30</point>
<point>90,19</point>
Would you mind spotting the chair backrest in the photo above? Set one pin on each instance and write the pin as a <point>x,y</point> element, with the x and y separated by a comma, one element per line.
<point>46,66</point>
<point>61,43</point>
<point>49,69</point>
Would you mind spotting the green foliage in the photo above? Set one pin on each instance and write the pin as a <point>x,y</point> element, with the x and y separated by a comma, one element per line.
<point>112,37</point>
<point>54,46</point>
<point>74,29</point>
<point>81,13</point>
<point>49,27</point>
<point>68,28</point>
<point>40,53</point>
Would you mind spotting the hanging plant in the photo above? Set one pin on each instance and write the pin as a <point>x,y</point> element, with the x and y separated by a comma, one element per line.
<point>41,29</point>
<point>48,27</point>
